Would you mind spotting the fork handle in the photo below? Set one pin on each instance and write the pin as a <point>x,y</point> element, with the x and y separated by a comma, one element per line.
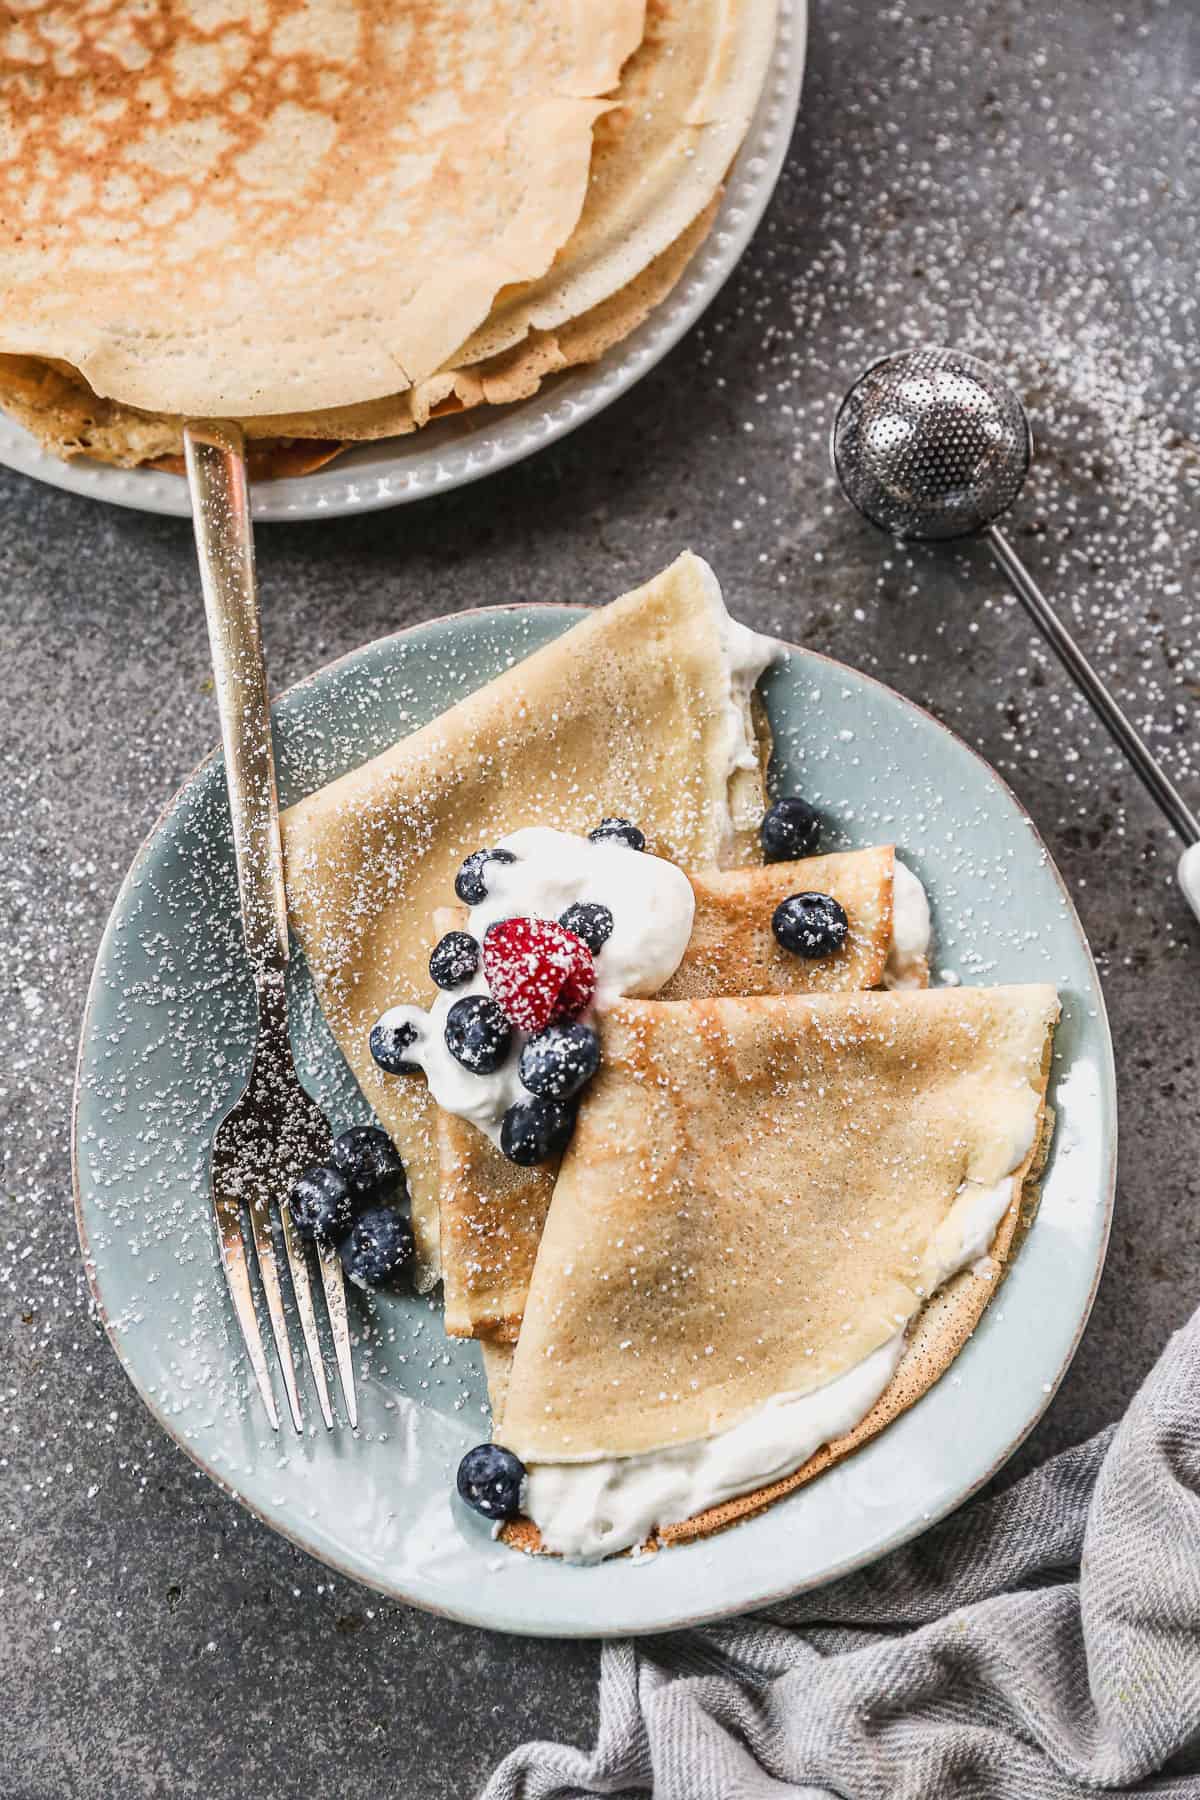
<point>216,466</point>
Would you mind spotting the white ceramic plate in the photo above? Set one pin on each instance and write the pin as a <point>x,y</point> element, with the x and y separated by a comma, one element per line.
<point>166,1042</point>
<point>451,452</point>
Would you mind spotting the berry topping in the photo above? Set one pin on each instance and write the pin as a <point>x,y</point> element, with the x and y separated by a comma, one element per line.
<point>477,1033</point>
<point>556,1064</point>
<point>618,831</point>
<point>379,1244</point>
<point>370,1164</point>
<point>589,921</point>
<point>455,959</point>
<point>388,1043</point>
<point>321,1204</point>
<point>810,924</point>
<point>489,1480</point>
<point>532,1131</point>
<point>790,828</point>
<point>537,971</point>
<point>469,884</point>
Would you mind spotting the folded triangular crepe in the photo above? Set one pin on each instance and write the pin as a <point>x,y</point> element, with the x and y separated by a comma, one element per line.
<point>759,1197</point>
<point>492,1212</point>
<point>642,709</point>
<point>733,950</point>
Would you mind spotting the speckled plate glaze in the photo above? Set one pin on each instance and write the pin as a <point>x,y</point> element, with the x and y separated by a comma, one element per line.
<point>165,1045</point>
<point>454,451</point>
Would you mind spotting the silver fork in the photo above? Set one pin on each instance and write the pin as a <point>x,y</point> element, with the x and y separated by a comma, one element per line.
<point>275,1130</point>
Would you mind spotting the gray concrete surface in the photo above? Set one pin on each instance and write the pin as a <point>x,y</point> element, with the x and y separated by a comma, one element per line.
<point>1011,175</point>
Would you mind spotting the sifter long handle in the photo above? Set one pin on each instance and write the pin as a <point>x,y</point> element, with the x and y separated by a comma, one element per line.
<point>1145,765</point>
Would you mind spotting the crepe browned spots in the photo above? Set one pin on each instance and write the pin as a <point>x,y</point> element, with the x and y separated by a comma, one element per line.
<point>256,208</point>
<point>339,220</point>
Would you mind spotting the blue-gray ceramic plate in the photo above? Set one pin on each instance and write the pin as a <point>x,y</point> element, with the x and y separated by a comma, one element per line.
<point>165,1045</point>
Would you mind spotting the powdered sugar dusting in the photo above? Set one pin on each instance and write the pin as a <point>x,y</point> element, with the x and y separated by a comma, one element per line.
<point>1018,181</point>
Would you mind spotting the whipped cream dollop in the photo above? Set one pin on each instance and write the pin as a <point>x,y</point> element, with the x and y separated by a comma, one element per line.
<point>908,957</point>
<point>652,907</point>
<point>747,656</point>
<point>588,1510</point>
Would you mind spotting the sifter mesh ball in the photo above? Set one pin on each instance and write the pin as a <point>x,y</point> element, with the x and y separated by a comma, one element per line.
<point>931,443</point>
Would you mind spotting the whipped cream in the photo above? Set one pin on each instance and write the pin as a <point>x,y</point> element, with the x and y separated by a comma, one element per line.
<point>588,1510</point>
<point>965,1234</point>
<point>911,931</point>
<point>652,906</point>
<point>747,654</point>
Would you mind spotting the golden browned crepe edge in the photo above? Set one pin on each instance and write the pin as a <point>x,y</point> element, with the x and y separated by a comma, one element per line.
<point>469,1163</point>
<point>939,1333</point>
<point>55,404</point>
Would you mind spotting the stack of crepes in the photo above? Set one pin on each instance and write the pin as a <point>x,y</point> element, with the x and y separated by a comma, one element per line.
<point>334,220</point>
<point>788,1196</point>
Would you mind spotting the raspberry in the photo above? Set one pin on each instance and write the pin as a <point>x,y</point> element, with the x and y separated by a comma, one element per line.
<point>537,971</point>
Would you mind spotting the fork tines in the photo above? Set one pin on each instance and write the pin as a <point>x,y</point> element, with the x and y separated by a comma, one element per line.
<point>271,1135</point>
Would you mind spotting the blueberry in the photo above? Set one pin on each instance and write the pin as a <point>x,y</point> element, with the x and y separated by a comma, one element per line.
<point>477,1034</point>
<point>321,1204</point>
<point>618,831</point>
<point>389,1042</point>
<point>790,828</point>
<point>532,1131</point>
<point>455,959</point>
<point>589,921</point>
<point>810,924</point>
<point>469,884</point>
<point>379,1244</point>
<point>489,1480</point>
<point>558,1062</point>
<point>370,1163</point>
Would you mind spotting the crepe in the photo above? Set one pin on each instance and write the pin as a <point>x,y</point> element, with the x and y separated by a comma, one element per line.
<point>795,1157</point>
<point>56,404</point>
<point>939,1333</point>
<point>636,710</point>
<point>684,104</point>
<point>733,950</point>
<point>347,306</point>
<point>492,1212</point>
<point>249,209</point>
<point>757,1196</point>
